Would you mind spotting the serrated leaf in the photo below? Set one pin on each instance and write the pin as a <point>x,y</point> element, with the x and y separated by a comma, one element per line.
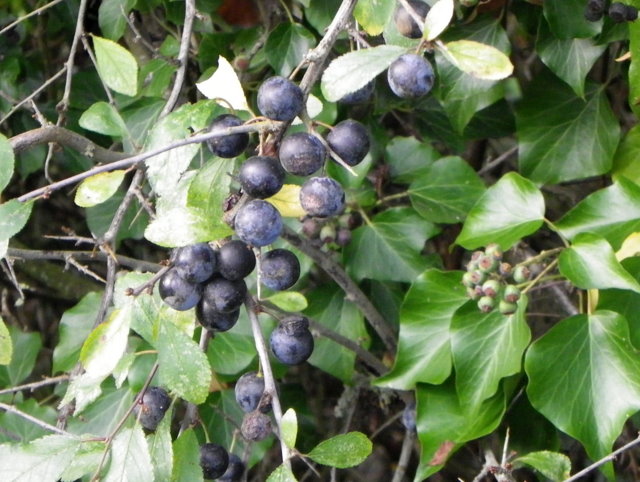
<point>13,216</point>
<point>486,348</point>
<point>424,348</point>
<point>103,118</point>
<point>342,451</point>
<point>509,210</point>
<point>102,416</point>
<point>184,368</point>
<point>287,201</point>
<point>477,59</point>
<point>282,474</point>
<point>446,191</point>
<point>6,346</point>
<point>591,263</point>
<point>289,427</point>
<point>85,461</point>
<point>612,212</point>
<point>116,66</point>
<point>186,458</point>
<point>552,465</point>
<point>8,161</point>
<point>395,238</point>
<point>287,46</point>
<point>130,459</point>
<point>372,15</point>
<point>289,301</point>
<point>598,387</point>
<point>437,19</point>
<point>561,136</point>
<point>97,189</point>
<point>224,84</point>
<point>354,70</point>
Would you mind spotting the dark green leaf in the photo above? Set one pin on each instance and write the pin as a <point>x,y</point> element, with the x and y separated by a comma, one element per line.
<point>116,66</point>
<point>424,349</point>
<point>186,458</point>
<point>342,451</point>
<point>634,68</point>
<point>409,158</point>
<point>563,137</point>
<point>112,17</point>
<point>230,352</point>
<point>101,417</point>
<point>7,164</point>
<point>13,216</point>
<point>552,465</point>
<point>372,15</point>
<point>25,430</point>
<point>598,387</point>
<point>625,162</point>
<point>103,118</point>
<point>135,220</point>
<point>395,238</point>
<point>612,212</point>
<point>26,346</point>
<point>320,14</point>
<point>566,19</point>
<point>591,263</point>
<point>446,190</point>
<point>286,47</point>
<point>509,210</point>
<point>130,459</point>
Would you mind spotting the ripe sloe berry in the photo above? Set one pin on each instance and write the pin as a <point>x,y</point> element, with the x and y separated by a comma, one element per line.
<point>261,176</point>
<point>227,146</point>
<point>258,223</point>
<point>405,24</point>
<point>280,99</point>
<point>236,260</point>
<point>363,94</point>
<point>195,263</point>
<point>151,408</point>
<point>215,321</point>
<point>249,389</point>
<point>301,154</point>
<point>291,342</point>
<point>223,295</point>
<point>322,197</point>
<point>279,269</point>
<point>349,139</point>
<point>177,292</point>
<point>234,471</point>
<point>410,76</point>
<point>256,426</point>
<point>214,460</point>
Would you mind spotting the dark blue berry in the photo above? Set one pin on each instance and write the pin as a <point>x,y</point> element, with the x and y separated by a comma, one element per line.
<point>291,342</point>
<point>215,321</point>
<point>261,176</point>
<point>410,76</point>
<point>280,99</point>
<point>227,146</point>
<point>195,263</point>
<point>409,416</point>
<point>405,23</point>
<point>236,260</point>
<point>177,292</point>
<point>301,154</point>
<point>214,460</point>
<point>258,223</point>
<point>249,389</point>
<point>234,470</point>
<point>223,295</point>
<point>151,407</point>
<point>322,197</point>
<point>279,269</point>
<point>350,140</point>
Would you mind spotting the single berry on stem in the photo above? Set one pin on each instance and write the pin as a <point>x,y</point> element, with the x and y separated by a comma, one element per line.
<point>405,23</point>
<point>507,308</point>
<point>279,269</point>
<point>291,341</point>
<point>350,140</point>
<point>151,407</point>
<point>410,76</point>
<point>511,294</point>
<point>521,274</point>
<point>258,223</point>
<point>486,304</point>
<point>256,426</point>
<point>214,460</point>
<point>213,320</point>
<point>322,197</point>
<point>231,145</point>
<point>195,263</point>
<point>177,292</point>
<point>491,288</point>
<point>301,154</point>
<point>249,389</point>
<point>236,260</point>
<point>261,176</point>
<point>280,99</point>
<point>223,295</point>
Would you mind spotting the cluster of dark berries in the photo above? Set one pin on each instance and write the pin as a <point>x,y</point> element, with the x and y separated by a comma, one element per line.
<point>618,12</point>
<point>486,280</point>
<point>333,232</point>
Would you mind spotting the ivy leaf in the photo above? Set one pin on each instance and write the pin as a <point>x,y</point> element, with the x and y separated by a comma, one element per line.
<point>446,191</point>
<point>224,84</point>
<point>186,458</point>
<point>116,66</point>
<point>13,217</point>
<point>437,19</point>
<point>372,15</point>
<point>6,347</point>
<point>566,23</point>
<point>477,59</point>
<point>598,387</point>
<point>552,465</point>
<point>97,189</point>
<point>354,70</point>
<point>408,158</point>
<point>625,162</point>
<point>289,427</point>
<point>509,210</point>
<point>130,459</point>
<point>8,161</point>
<point>394,237</point>
<point>563,137</point>
<point>103,118</point>
<point>342,451</point>
<point>287,46</point>
<point>612,212</point>
<point>486,347</point>
<point>43,459</point>
<point>424,348</point>
<point>591,263</point>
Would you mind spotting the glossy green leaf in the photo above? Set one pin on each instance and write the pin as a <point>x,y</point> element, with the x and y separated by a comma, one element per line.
<point>161,449</point>
<point>372,15</point>
<point>552,465</point>
<point>591,263</point>
<point>342,451</point>
<point>74,328</point>
<point>287,46</point>
<point>634,68</point>
<point>477,59</point>
<point>13,216</point>
<point>446,191</point>
<point>424,348</point>
<point>486,348</point>
<point>598,387</point>
<point>566,19</point>
<point>626,162</point>
<point>282,474</point>
<point>437,19</point>
<point>444,424</point>
<point>7,161</point>
<point>395,238</point>
<point>184,368</point>
<point>408,158</point>
<point>103,118</point>
<point>130,459</point>
<point>570,59</point>
<point>230,353</point>
<point>289,301</point>
<point>26,346</point>
<point>6,346</point>
<point>354,70</point>
<point>43,459</point>
<point>186,458</point>
<point>612,212</point>
<point>112,17</point>
<point>97,189</point>
<point>563,137</point>
<point>289,427</point>
<point>328,306</point>
<point>509,210</point>
<point>118,69</point>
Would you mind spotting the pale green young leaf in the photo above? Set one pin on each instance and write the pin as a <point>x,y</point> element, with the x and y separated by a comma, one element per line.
<point>342,451</point>
<point>289,427</point>
<point>97,189</point>
<point>478,60</point>
<point>130,459</point>
<point>7,160</point>
<point>289,300</point>
<point>85,461</point>
<point>437,19</point>
<point>27,345</point>
<point>112,17</point>
<point>372,15</point>
<point>13,216</point>
<point>6,346</point>
<point>287,46</point>
<point>552,465</point>
<point>282,474</point>
<point>116,66</point>
<point>161,449</point>
<point>103,118</point>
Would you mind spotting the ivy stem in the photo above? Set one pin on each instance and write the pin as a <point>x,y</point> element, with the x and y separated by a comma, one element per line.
<point>542,256</point>
<point>535,280</point>
<point>392,197</point>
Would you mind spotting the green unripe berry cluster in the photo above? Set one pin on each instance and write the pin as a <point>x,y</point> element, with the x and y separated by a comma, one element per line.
<point>487,282</point>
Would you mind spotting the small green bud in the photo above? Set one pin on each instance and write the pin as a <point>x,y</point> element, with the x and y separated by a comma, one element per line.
<point>511,294</point>
<point>474,293</point>
<point>486,304</point>
<point>505,269</point>
<point>521,274</point>
<point>478,277</point>
<point>507,308</point>
<point>472,265</point>
<point>328,234</point>
<point>494,250</point>
<point>468,279</point>
<point>491,288</point>
<point>487,264</point>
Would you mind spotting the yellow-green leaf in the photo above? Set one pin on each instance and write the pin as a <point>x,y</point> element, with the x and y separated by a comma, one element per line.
<point>289,300</point>
<point>289,427</point>
<point>116,66</point>
<point>6,348</point>
<point>478,60</point>
<point>437,19</point>
<point>97,189</point>
<point>287,201</point>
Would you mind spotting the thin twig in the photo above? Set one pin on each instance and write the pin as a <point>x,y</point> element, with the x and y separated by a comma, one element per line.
<point>604,460</point>
<point>405,455</point>
<point>498,160</point>
<point>37,11</point>
<point>94,61</point>
<point>34,420</point>
<point>35,385</point>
